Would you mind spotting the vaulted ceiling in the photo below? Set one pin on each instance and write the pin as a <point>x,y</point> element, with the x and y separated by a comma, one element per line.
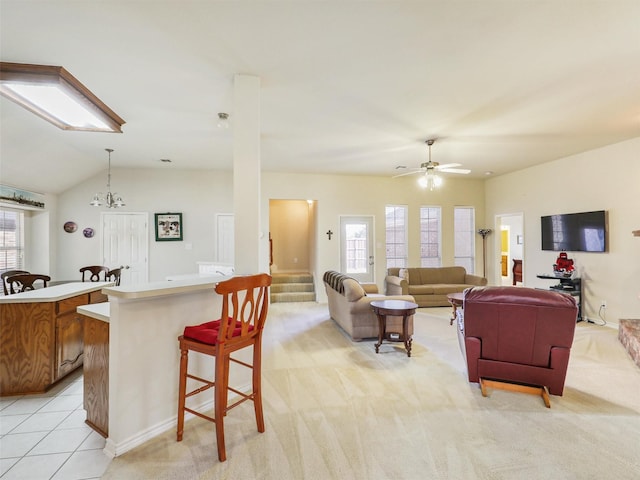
<point>347,87</point>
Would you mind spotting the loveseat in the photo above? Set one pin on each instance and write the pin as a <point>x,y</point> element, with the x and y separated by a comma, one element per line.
<point>350,306</point>
<point>430,286</point>
<point>516,334</point>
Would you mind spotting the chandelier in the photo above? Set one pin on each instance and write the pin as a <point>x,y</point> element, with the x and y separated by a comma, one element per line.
<point>111,200</point>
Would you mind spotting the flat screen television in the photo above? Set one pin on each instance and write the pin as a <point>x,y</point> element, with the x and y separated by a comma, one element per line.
<point>575,232</point>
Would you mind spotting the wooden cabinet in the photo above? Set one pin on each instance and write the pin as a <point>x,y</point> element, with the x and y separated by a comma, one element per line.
<point>96,374</point>
<point>42,341</point>
<point>69,345</point>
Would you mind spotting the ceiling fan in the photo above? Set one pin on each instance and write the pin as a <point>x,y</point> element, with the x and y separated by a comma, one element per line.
<point>429,169</point>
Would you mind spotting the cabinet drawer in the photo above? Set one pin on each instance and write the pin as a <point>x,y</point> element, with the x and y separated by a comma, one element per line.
<point>97,297</point>
<point>70,304</point>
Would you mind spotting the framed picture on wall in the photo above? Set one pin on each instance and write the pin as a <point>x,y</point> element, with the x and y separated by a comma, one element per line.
<point>168,227</point>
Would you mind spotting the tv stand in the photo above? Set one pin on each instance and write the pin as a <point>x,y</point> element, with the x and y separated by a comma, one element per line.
<point>572,286</point>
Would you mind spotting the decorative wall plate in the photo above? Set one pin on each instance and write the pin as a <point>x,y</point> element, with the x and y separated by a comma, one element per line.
<point>70,227</point>
<point>88,232</point>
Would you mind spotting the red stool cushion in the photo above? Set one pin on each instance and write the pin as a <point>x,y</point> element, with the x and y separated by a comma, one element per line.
<point>208,332</point>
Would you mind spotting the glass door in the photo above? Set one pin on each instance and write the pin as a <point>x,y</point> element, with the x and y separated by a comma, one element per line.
<point>356,248</point>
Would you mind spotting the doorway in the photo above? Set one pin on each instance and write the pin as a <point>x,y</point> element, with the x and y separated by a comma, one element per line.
<point>291,233</point>
<point>356,247</point>
<point>125,244</point>
<point>224,239</point>
<point>510,248</point>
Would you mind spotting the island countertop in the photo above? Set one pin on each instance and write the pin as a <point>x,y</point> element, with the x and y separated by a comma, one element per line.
<point>99,311</point>
<point>55,293</point>
<point>188,284</point>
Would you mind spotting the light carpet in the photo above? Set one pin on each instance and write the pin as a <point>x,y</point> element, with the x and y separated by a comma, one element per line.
<point>336,410</point>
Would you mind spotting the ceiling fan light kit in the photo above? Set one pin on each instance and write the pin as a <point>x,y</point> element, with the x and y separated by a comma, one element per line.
<point>429,178</point>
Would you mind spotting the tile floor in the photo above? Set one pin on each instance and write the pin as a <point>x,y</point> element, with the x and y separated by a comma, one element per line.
<point>45,437</point>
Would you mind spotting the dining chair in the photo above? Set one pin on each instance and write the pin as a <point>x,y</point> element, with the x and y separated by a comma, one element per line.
<point>22,282</point>
<point>245,302</point>
<point>6,275</point>
<point>93,273</point>
<point>114,275</point>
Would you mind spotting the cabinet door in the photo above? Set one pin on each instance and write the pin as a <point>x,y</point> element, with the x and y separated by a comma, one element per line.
<point>69,343</point>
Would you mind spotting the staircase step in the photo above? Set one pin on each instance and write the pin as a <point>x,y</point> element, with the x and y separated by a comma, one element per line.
<point>291,287</point>
<point>290,297</point>
<point>291,278</point>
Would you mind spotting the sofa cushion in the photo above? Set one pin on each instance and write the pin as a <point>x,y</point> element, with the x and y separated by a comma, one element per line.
<point>421,290</point>
<point>446,288</point>
<point>442,275</point>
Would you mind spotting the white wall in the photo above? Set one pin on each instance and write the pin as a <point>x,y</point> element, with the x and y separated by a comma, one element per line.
<point>197,194</point>
<point>337,195</point>
<point>607,178</point>
<point>604,179</point>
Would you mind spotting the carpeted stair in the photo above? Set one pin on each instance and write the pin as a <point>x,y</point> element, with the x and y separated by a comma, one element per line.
<point>292,287</point>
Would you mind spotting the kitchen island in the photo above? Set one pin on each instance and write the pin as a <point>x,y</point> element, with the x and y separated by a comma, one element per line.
<point>144,322</point>
<point>41,335</point>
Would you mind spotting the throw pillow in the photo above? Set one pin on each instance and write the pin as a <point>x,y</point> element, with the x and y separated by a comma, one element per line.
<point>404,274</point>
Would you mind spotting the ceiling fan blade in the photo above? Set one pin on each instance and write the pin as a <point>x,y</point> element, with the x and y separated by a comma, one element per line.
<point>455,170</point>
<point>448,165</point>
<point>419,170</point>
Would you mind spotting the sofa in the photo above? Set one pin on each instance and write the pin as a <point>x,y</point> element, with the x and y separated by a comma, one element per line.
<point>518,335</point>
<point>350,306</point>
<point>430,286</point>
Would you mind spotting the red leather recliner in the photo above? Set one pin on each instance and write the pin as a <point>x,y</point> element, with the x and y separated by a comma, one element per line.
<point>519,335</point>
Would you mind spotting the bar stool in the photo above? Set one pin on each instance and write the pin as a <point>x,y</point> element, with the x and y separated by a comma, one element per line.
<point>6,275</point>
<point>114,276</point>
<point>245,302</point>
<point>93,273</point>
<point>23,282</point>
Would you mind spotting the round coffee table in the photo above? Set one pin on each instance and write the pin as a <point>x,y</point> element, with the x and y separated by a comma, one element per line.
<point>395,308</point>
<point>456,300</point>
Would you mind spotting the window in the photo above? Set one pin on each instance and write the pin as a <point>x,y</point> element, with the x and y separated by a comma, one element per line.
<point>11,240</point>
<point>464,237</point>
<point>396,237</point>
<point>430,228</point>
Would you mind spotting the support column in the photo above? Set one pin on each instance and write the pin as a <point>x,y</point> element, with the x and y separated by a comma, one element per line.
<point>246,173</point>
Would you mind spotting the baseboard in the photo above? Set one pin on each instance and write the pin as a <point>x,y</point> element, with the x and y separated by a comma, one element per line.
<point>112,449</point>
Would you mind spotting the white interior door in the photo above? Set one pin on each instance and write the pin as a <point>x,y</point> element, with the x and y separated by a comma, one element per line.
<point>224,238</point>
<point>356,247</point>
<point>125,244</point>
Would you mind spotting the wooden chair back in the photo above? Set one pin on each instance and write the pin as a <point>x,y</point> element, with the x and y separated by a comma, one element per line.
<point>94,273</point>
<point>114,275</point>
<point>245,299</point>
<point>22,282</point>
<point>6,275</point>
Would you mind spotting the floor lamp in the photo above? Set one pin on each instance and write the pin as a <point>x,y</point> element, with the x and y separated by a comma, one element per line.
<point>484,232</point>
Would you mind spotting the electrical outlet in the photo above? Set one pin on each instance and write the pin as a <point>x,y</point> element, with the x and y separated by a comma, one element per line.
<point>603,304</point>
